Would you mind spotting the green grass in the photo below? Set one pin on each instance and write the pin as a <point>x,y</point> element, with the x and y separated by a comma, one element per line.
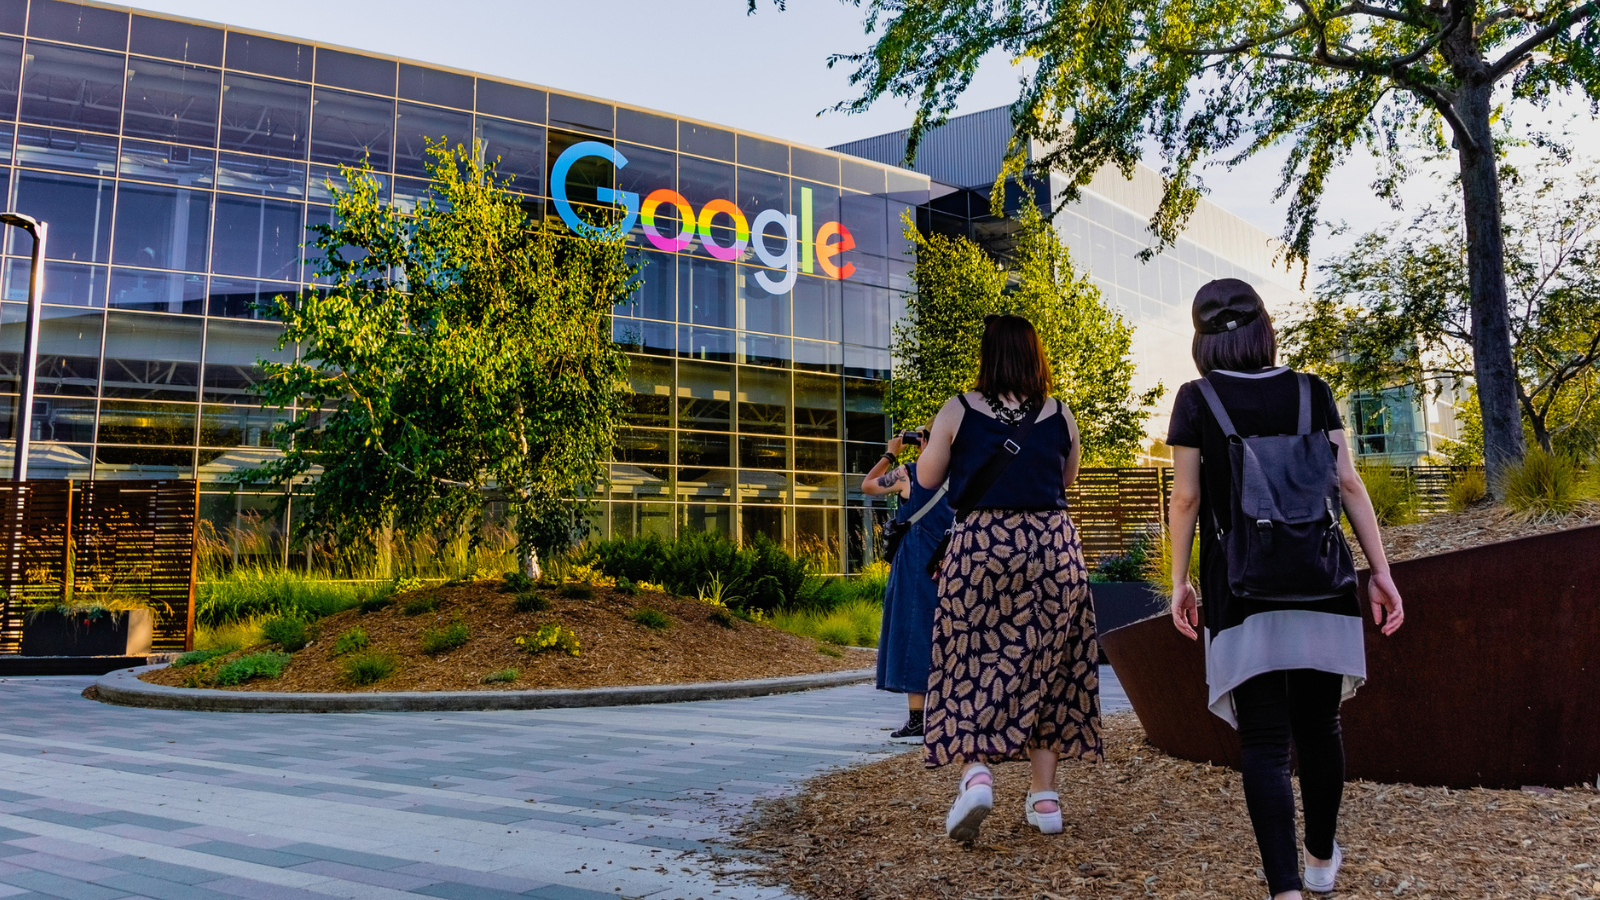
<point>576,591</point>
<point>196,657</point>
<point>1547,485</point>
<point>1467,489</point>
<point>530,601</point>
<point>517,583</point>
<point>290,634</point>
<point>440,640</point>
<point>501,676</point>
<point>416,606</point>
<point>830,650</point>
<point>255,665</point>
<point>352,640</point>
<point>367,668</point>
<point>228,637</point>
<point>1393,495</point>
<point>852,623</point>
<point>249,592</point>
<point>651,618</point>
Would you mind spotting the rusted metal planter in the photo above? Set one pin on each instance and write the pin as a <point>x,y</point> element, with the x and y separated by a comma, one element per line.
<point>1492,681</point>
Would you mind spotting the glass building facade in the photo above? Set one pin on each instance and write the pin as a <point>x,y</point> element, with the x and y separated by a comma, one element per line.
<point>179,163</point>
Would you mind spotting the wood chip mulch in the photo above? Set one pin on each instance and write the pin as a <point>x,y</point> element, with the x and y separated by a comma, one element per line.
<point>614,649</point>
<point>1144,824</point>
<point>1484,523</point>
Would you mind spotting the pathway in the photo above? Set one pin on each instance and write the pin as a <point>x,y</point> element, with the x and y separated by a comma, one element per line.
<point>103,803</point>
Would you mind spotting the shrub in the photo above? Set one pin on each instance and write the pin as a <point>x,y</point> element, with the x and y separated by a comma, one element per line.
<point>1468,488</point>
<point>1394,497</point>
<point>440,640</point>
<point>651,618</point>
<point>367,668</point>
<point>1125,567</point>
<point>761,572</point>
<point>196,657</point>
<point>290,634</point>
<point>724,618</point>
<point>827,650</point>
<point>530,601</point>
<point>518,583</point>
<point>376,602</point>
<point>1546,485</point>
<point>255,665</point>
<point>416,606</point>
<point>501,675</point>
<point>250,592</point>
<point>855,623</point>
<point>626,587</point>
<point>407,585</point>
<point>576,591</point>
<point>352,640</point>
<point>550,637</point>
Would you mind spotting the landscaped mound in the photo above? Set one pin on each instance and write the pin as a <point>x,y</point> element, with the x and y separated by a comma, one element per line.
<point>1146,825</point>
<point>1482,523</point>
<point>465,636</point>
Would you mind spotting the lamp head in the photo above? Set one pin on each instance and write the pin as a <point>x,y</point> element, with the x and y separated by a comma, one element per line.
<point>21,221</point>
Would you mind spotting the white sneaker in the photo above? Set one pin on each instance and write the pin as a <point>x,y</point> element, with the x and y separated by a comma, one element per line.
<point>1320,878</point>
<point>1046,822</point>
<point>972,806</point>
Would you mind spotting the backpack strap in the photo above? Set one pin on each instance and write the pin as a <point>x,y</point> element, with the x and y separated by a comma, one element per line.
<point>1305,403</point>
<point>1217,410</point>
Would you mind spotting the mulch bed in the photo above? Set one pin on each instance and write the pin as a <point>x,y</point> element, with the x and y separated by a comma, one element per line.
<point>1144,824</point>
<point>1484,523</point>
<point>614,649</point>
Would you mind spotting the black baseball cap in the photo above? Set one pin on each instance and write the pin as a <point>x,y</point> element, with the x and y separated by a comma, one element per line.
<point>1224,305</point>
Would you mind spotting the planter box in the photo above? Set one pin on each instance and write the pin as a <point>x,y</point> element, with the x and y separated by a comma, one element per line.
<point>111,634</point>
<point>1119,603</point>
<point>1491,682</point>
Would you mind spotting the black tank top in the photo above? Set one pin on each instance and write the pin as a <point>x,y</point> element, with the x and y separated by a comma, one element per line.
<point>1034,479</point>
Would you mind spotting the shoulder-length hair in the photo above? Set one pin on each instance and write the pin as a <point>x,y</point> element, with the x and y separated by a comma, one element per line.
<point>1012,360</point>
<point>1251,346</point>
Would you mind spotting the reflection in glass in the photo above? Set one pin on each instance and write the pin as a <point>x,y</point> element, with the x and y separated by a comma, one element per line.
<point>863,410</point>
<point>78,210</point>
<point>143,462</point>
<point>632,481</point>
<point>819,487</point>
<point>124,422</point>
<point>816,406</point>
<point>243,298</point>
<point>261,175</point>
<point>866,315</point>
<point>496,98</point>
<point>644,336</point>
<point>816,309</point>
<point>151,357</point>
<point>169,101</point>
<point>578,114</point>
<point>650,383</point>
<point>630,520</point>
<point>704,140</point>
<point>257,237</point>
<point>69,350</point>
<point>764,350</point>
<point>162,227</point>
<point>176,40</point>
<point>66,151</point>
<point>167,163</point>
<point>66,284</point>
<point>516,149</point>
<point>261,115</point>
<point>644,128</point>
<point>708,290</point>
<point>817,456</point>
<point>435,86</point>
<point>705,396</point>
<point>348,128</point>
<point>817,356</point>
<point>760,310</point>
<point>65,87</point>
<point>816,532</point>
<point>712,344</point>
<point>763,452</point>
<point>761,523</point>
<point>234,350</point>
<point>638,445</point>
<point>10,75</point>
<point>354,71</point>
<point>763,401</point>
<point>416,125</point>
<point>147,291</point>
<point>238,426</point>
<point>655,293</point>
<point>58,419</point>
<point>706,518</point>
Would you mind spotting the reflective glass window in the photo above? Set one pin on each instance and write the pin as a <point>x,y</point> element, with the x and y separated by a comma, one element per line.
<point>517,151</point>
<point>78,210</point>
<point>79,24</point>
<point>716,344</point>
<point>162,227</point>
<point>818,356</point>
<point>705,396</point>
<point>586,174</point>
<point>318,188</point>
<point>644,335</point>
<point>354,71</point>
<point>764,350</point>
<point>69,353</point>
<point>261,175</point>
<point>704,140</point>
<point>763,401</point>
<point>10,76</point>
<point>816,308</point>
<point>348,128</point>
<point>167,163</point>
<point>866,315</point>
<point>760,452</point>
<point>578,114</point>
<point>700,181</point>
<point>183,41</point>
<point>171,101</point>
<point>638,481</point>
<point>706,292</point>
<point>417,125</point>
<point>122,422</point>
<point>866,362</point>
<point>761,310</point>
<point>13,16</point>
<point>152,357</point>
<point>244,298</point>
<point>762,154</point>
<point>435,86</point>
<point>58,419</point>
<point>908,187</point>
<point>706,517</point>
<point>65,283</point>
<point>759,191</point>
<point>407,194</point>
<point>513,101</point>
<point>255,237</point>
<point>234,350</point>
<point>817,456</point>
<point>66,151</point>
<point>816,406</point>
<point>863,410</point>
<point>151,291</point>
<point>703,451</point>
<point>648,170</point>
<point>630,520</point>
<point>650,386</point>
<point>238,426</point>
<point>64,87</point>
<point>640,445</point>
<point>268,56</point>
<point>867,218</point>
<point>862,176</point>
<point>260,115</point>
<point>142,462</point>
<point>644,128</point>
<point>655,291</point>
<point>813,166</point>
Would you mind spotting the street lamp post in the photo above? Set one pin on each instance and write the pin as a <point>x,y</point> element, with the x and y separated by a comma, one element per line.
<point>30,340</point>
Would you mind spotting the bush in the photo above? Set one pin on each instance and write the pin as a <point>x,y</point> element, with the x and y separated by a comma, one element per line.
<point>626,587</point>
<point>440,640</point>
<point>530,601</point>
<point>1125,567</point>
<point>249,592</point>
<point>823,593</point>
<point>761,573</point>
<point>367,668</point>
<point>1468,488</point>
<point>576,591</point>
<point>352,640</point>
<point>376,602</point>
<point>1394,497</point>
<point>651,618</point>
<point>416,606</point>
<point>518,583</point>
<point>290,634</point>
<point>834,652</point>
<point>255,665</point>
<point>500,676</point>
<point>1547,485</point>
<point>1158,565</point>
<point>550,637</point>
<point>724,618</point>
<point>855,623</point>
<point>196,657</point>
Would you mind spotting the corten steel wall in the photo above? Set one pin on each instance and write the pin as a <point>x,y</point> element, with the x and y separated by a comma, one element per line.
<point>133,536</point>
<point>1490,683</point>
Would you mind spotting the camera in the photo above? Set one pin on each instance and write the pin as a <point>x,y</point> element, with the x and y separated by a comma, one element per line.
<point>911,438</point>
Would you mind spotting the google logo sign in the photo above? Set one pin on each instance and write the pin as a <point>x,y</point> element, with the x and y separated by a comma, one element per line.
<point>804,249</point>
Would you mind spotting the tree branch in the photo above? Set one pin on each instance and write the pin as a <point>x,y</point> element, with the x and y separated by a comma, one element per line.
<point>1519,53</point>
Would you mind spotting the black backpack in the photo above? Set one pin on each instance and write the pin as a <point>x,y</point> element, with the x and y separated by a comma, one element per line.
<point>1285,545</point>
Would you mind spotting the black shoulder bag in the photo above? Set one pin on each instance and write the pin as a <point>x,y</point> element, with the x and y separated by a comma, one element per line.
<point>972,494</point>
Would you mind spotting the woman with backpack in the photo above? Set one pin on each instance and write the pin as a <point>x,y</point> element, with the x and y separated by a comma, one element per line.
<point>1262,466</point>
<point>1015,673</point>
<point>905,642</point>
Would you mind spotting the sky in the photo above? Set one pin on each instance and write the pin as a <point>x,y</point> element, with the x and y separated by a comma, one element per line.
<point>708,60</point>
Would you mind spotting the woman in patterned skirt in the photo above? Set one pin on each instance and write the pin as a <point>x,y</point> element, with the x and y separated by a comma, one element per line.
<point>1015,672</point>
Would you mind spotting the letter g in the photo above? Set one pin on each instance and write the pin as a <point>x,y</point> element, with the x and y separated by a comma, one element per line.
<point>558,189</point>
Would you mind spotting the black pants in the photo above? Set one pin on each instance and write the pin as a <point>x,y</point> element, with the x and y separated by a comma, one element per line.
<point>1300,705</point>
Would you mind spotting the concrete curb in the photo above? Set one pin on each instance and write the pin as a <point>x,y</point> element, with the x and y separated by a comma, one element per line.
<point>123,688</point>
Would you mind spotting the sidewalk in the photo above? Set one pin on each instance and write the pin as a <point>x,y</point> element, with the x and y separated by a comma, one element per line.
<point>102,802</point>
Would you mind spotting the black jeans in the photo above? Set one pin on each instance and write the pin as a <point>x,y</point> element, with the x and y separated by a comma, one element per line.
<point>1300,705</point>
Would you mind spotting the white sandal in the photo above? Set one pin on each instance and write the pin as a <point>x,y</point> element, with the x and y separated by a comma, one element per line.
<point>1046,822</point>
<point>972,806</point>
<point>1320,878</point>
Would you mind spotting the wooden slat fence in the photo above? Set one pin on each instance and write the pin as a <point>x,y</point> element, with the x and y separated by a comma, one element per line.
<point>132,539</point>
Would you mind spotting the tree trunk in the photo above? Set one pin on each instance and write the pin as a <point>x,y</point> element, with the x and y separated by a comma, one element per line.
<point>530,564</point>
<point>1493,368</point>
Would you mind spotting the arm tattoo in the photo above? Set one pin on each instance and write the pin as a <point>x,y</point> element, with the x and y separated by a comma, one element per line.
<point>892,477</point>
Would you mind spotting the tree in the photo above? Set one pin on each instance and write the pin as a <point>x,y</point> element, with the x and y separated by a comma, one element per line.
<point>1215,79</point>
<point>458,352</point>
<point>1396,309</point>
<point>957,284</point>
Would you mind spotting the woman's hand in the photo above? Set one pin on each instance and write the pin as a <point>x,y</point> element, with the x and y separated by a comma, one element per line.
<point>1185,609</point>
<point>1387,610</point>
<point>896,445</point>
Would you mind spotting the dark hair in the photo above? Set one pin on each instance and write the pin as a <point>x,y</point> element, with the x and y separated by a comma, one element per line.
<point>1253,345</point>
<point>1011,360</point>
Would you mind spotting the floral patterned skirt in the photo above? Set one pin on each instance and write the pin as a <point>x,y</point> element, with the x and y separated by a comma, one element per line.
<point>1015,659</point>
